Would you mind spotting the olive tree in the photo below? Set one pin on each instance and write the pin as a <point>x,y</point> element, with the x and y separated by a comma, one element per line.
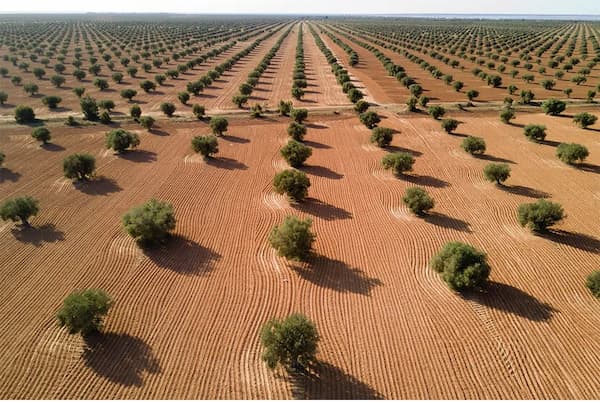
<point>535,132</point>
<point>205,145</point>
<point>292,238</point>
<point>291,342</point>
<point>83,312</point>
<point>51,101</point>
<point>382,136</point>
<point>128,93</point>
<point>218,125</point>
<point>120,140</point>
<point>199,111</point>
<point>285,107</point>
<point>540,215</point>
<point>297,131</point>
<point>299,115</point>
<point>592,282</point>
<point>496,172</point>
<point>19,208</point>
<point>507,114</point>
<point>553,106</point>
<point>79,166</point>
<point>473,145</point>
<point>41,134</point>
<point>571,153</point>
<point>585,119</point>
<point>399,162</point>
<point>449,125</point>
<point>295,153</point>
<point>461,266</point>
<point>418,200</point>
<point>292,183</point>
<point>436,111</point>
<point>168,108</point>
<point>361,106</point>
<point>370,119</point>
<point>135,112</point>
<point>3,97</point>
<point>150,223</point>
<point>89,107</point>
<point>147,122</point>
<point>24,114</point>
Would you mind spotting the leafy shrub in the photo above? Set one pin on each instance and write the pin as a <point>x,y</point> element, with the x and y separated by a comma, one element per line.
<point>496,172</point>
<point>291,343</point>
<point>120,140</point>
<point>585,119</point>
<point>507,114</point>
<point>19,208</point>
<point>571,153</point>
<point>382,136</point>
<point>540,215</point>
<point>473,145</point>
<point>51,101</point>
<point>370,119</point>
<point>417,200</point>
<point>218,125</point>
<point>199,111</point>
<point>135,111</point>
<point>436,111</point>
<point>449,125</point>
<point>183,97</point>
<point>535,132</point>
<point>128,93</point>
<point>462,266</point>
<point>41,134</point>
<point>593,283</point>
<point>295,153</point>
<point>150,223</point>
<point>297,131</point>
<point>399,162</point>
<point>89,107</point>
<point>553,107</point>
<point>147,122</point>
<point>168,108</point>
<point>293,238</point>
<point>205,145</point>
<point>83,312</point>
<point>293,183</point>
<point>361,106</point>
<point>24,114</point>
<point>299,115</point>
<point>79,166</point>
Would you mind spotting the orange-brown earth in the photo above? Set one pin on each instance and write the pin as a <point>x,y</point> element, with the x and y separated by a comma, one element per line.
<point>187,316</point>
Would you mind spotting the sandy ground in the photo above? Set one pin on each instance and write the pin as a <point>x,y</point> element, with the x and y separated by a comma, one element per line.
<point>187,317</point>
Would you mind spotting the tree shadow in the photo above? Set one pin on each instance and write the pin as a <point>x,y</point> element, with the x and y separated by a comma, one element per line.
<point>324,172</point>
<point>397,149</point>
<point>573,239</point>
<point>426,180</point>
<point>52,147</point>
<point>98,186</point>
<point>316,126</point>
<point>325,381</point>
<point>442,220</point>
<point>506,298</point>
<point>39,235</point>
<point>235,139</point>
<point>487,157</point>
<point>455,134</point>
<point>226,163</point>
<point>314,144</point>
<point>584,166</point>
<point>526,191</point>
<point>7,175</point>
<point>550,143</point>
<point>120,358</point>
<point>323,210</point>
<point>139,156</point>
<point>336,275</point>
<point>183,256</point>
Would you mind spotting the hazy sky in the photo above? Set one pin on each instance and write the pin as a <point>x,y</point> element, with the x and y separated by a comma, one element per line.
<point>308,6</point>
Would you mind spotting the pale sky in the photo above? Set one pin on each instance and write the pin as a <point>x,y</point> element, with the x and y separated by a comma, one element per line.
<point>579,7</point>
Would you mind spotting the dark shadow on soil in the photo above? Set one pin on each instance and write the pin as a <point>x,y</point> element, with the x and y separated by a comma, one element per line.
<point>396,149</point>
<point>39,235</point>
<point>550,143</point>
<point>506,298</point>
<point>52,147</point>
<point>7,175</point>
<point>183,256</point>
<point>139,156</point>
<point>325,381</point>
<point>226,163</point>
<point>336,275</point>
<point>572,239</point>
<point>425,180</point>
<point>442,220</point>
<point>120,358</point>
<point>99,186</point>
<point>487,157</point>
<point>316,126</point>
<point>525,191</point>
<point>314,144</point>
<point>158,132</point>
<point>455,134</point>
<point>235,139</point>
<point>324,172</point>
<point>595,169</point>
<point>323,210</point>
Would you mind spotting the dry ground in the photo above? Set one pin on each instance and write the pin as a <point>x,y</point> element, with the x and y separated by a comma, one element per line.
<point>187,317</point>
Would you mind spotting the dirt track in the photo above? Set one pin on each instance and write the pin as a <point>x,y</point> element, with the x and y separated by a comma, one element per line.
<point>187,317</point>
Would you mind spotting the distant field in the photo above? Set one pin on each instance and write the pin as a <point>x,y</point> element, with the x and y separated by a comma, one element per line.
<point>187,315</point>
